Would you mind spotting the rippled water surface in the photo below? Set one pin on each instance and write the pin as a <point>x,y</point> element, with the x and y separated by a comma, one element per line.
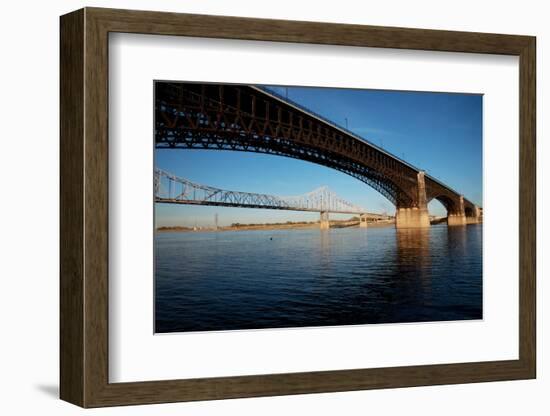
<point>294,278</point>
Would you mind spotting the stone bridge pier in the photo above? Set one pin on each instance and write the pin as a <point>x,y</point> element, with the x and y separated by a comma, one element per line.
<point>459,212</point>
<point>458,215</point>
<point>464,214</point>
<point>324,222</point>
<point>474,216</point>
<point>415,216</point>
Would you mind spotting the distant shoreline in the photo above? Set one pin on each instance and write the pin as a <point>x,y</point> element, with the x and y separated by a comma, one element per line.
<point>269,227</point>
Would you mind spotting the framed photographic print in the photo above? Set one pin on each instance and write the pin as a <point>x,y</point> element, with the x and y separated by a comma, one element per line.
<point>256,207</point>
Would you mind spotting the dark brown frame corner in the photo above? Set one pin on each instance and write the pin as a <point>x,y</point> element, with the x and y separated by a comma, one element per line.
<point>84,207</point>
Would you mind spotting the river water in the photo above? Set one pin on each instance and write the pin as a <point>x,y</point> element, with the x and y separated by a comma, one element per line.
<point>233,280</point>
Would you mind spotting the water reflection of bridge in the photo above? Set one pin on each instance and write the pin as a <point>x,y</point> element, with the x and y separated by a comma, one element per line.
<point>175,190</point>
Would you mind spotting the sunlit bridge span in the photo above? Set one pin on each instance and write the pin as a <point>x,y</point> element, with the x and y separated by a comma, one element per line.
<point>248,118</point>
<point>172,189</point>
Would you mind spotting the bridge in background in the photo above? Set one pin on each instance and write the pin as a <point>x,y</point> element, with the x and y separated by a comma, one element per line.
<point>247,118</point>
<point>175,190</point>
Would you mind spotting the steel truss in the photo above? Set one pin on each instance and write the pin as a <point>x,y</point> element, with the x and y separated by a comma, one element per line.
<point>172,189</point>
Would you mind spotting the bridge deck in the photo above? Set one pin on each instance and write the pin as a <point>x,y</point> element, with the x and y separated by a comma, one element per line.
<point>237,205</point>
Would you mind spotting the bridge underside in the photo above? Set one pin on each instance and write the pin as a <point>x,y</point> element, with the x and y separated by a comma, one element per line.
<point>246,118</point>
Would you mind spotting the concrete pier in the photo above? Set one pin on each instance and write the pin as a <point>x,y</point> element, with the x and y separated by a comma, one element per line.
<point>415,217</point>
<point>362,221</point>
<point>456,219</point>
<point>459,216</point>
<point>412,218</point>
<point>476,218</point>
<point>324,222</point>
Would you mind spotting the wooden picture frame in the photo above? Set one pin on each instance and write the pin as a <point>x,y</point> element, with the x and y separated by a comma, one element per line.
<point>84,207</point>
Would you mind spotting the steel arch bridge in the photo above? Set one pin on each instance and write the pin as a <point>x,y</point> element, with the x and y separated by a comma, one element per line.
<point>251,119</point>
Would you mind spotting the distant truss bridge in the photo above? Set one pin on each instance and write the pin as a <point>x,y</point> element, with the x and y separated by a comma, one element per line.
<point>175,190</point>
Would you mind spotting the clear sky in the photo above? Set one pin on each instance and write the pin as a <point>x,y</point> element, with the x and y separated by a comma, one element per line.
<point>438,132</point>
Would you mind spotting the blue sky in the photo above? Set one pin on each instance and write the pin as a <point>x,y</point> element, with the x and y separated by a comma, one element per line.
<point>438,132</point>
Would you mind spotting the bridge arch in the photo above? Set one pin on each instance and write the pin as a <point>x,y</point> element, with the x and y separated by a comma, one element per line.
<point>250,119</point>
<point>447,202</point>
<point>247,119</point>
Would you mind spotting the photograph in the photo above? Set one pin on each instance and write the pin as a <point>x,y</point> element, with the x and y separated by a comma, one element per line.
<point>292,207</point>
<point>258,204</point>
